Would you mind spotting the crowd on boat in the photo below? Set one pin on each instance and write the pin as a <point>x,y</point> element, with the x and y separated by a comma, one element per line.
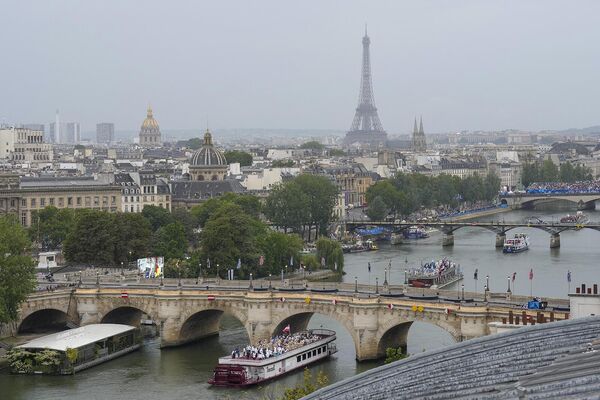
<point>564,187</point>
<point>275,346</point>
<point>434,268</point>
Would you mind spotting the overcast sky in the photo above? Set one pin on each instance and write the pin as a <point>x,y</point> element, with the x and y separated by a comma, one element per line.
<point>296,64</point>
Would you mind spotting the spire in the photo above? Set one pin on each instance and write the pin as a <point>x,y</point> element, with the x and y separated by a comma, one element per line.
<point>366,29</point>
<point>415,130</point>
<point>207,138</point>
<point>149,115</point>
<point>421,131</point>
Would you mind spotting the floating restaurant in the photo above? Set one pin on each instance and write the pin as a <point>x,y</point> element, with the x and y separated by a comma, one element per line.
<point>71,351</point>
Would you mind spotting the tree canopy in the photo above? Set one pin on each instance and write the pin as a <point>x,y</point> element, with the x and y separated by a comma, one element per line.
<point>283,163</point>
<point>242,157</point>
<point>312,145</point>
<point>547,171</point>
<point>17,271</point>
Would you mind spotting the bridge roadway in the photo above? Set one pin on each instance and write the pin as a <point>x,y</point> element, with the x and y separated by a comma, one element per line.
<point>376,317</point>
<point>499,228</point>
<point>583,201</point>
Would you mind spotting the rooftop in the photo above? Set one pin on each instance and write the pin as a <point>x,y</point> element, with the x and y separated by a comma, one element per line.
<point>76,338</point>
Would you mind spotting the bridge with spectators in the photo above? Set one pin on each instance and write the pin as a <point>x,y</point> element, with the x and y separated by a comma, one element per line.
<point>583,200</point>
<point>499,228</point>
<point>376,317</point>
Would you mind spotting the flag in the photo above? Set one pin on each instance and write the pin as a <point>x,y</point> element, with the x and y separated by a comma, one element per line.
<point>475,273</point>
<point>390,306</point>
<point>208,263</point>
<point>282,299</point>
<point>261,260</point>
<point>335,265</point>
<point>514,276</point>
<point>334,301</point>
<point>569,276</point>
<point>322,261</point>
<point>447,311</point>
<point>369,266</point>
<point>286,329</point>
<point>239,264</point>
<point>531,274</point>
<point>390,265</point>
<point>292,261</point>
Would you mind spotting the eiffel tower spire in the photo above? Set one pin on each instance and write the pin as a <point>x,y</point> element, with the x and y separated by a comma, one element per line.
<point>366,127</point>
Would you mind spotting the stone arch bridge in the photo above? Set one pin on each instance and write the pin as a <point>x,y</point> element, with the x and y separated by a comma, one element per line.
<point>188,314</point>
<point>583,201</point>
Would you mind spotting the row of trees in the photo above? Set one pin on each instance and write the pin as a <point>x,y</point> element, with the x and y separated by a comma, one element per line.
<point>406,193</point>
<point>547,171</point>
<point>302,204</point>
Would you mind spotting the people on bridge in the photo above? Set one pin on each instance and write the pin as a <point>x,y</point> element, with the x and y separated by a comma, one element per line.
<point>579,187</point>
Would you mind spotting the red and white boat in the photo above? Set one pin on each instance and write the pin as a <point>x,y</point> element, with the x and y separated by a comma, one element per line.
<point>242,369</point>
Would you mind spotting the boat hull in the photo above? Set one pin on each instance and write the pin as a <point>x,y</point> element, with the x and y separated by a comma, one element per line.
<point>510,250</point>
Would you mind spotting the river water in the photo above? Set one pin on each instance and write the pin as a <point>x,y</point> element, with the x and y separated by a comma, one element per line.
<point>181,373</point>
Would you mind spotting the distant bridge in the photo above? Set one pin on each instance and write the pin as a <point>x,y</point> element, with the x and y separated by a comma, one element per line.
<point>583,201</point>
<point>499,228</point>
<point>376,317</point>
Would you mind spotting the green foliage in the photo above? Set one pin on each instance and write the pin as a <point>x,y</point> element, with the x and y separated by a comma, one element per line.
<point>72,355</point>
<point>249,204</point>
<point>278,248</point>
<point>287,206</point>
<point>131,236</point>
<point>170,241</point>
<point>312,145</point>
<point>283,163</point>
<point>194,143</point>
<point>394,354</point>
<point>50,226</point>
<point>92,239</point>
<point>233,156</point>
<point>189,222</point>
<point>549,172</point>
<point>308,386</point>
<point>321,193</point>
<point>157,216</point>
<point>23,361</point>
<point>17,271</point>
<point>337,153</point>
<point>377,210</point>
<point>331,251</point>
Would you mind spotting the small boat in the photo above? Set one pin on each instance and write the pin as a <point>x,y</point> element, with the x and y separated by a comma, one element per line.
<point>579,218</point>
<point>519,243</point>
<point>415,232</point>
<point>274,358</point>
<point>396,238</point>
<point>433,274</point>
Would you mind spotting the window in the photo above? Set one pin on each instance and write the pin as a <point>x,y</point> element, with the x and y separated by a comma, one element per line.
<point>304,356</point>
<point>79,201</point>
<point>113,199</point>
<point>314,353</point>
<point>23,218</point>
<point>42,202</point>
<point>69,201</point>
<point>51,201</point>
<point>96,201</point>
<point>12,202</point>
<point>61,202</point>
<point>298,359</point>
<point>319,350</point>
<point>88,201</point>
<point>32,202</point>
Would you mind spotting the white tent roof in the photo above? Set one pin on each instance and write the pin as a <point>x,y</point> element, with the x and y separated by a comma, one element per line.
<point>75,338</point>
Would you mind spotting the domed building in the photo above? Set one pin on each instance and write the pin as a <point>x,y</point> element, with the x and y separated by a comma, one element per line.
<point>208,163</point>
<point>150,132</point>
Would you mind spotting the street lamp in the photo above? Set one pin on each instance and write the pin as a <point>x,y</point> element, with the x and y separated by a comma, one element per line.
<point>463,291</point>
<point>199,273</point>
<point>355,284</point>
<point>122,273</point>
<point>376,285</point>
<point>487,282</point>
<point>250,280</point>
<point>269,281</point>
<point>508,291</point>
<point>218,271</point>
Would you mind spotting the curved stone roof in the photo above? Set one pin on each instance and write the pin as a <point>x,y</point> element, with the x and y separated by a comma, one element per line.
<point>567,147</point>
<point>208,155</point>
<point>545,361</point>
<point>150,125</point>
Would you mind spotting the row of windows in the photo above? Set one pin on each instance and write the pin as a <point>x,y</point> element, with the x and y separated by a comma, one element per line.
<point>313,353</point>
<point>61,201</point>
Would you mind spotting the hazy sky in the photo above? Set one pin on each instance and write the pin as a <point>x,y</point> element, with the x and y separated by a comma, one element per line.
<point>296,64</point>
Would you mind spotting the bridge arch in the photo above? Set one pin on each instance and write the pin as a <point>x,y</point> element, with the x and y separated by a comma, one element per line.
<point>125,314</point>
<point>44,320</point>
<point>200,323</point>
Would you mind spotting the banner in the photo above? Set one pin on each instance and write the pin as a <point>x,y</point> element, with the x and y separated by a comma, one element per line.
<point>151,267</point>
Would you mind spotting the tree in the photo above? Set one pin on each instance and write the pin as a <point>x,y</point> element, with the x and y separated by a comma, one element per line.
<point>236,156</point>
<point>377,210</point>
<point>157,216</point>
<point>92,239</point>
<point>194,143</point>
<point>189,222</point>
<point>530,174</point>
<point>170,241</point>
<point>132,237</point>
<point>287,206</point>
<point>491,186</point>
<point>567,172</point>
<point>321,193</point>
<point>330,251</point>
<point>307,387</point>
<point>17,273</point>
<point>337,153</point>
<point>50,226</point>
<point>278,249</point>
<point>312,145</point>
<point>283,163</point>
<point>393,354</point>
<point>549,171</point>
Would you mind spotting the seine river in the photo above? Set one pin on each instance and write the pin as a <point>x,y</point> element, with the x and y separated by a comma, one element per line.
<point>181,373</point>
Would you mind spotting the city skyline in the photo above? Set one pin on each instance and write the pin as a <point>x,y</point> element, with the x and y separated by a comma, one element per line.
<point>269,66</point>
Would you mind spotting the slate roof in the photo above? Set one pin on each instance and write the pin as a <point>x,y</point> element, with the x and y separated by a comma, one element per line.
<point>202,190</point>
<point>559,360</point>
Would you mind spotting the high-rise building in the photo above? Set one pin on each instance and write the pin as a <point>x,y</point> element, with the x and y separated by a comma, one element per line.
<point>419,143</point>
<point>72,132</point>
<point>105,132</point>
<point>366,128</point>
<point>150,132</point>
<point>24,146</point>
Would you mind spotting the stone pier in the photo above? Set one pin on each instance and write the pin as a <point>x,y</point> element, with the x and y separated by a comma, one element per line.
<point>555,241</point>
<point>448,239</point>
<point>500,237</point>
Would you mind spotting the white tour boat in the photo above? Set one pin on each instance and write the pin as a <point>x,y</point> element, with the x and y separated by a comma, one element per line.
<point>243,368</point>
<point>519,243</point>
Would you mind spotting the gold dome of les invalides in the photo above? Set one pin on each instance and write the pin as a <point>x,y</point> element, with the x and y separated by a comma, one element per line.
<point>149,124</point>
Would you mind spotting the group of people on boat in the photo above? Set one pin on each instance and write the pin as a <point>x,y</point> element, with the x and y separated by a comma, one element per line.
<point>275,346</point>
<point>434,268</point>
<point>564,187</point>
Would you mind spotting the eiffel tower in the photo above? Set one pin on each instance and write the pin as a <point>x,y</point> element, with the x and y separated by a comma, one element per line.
<point>366,128</point>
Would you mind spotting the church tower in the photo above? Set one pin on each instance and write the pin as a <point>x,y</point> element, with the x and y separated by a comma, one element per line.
<point>150,132</point>
<point>418,139</point>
